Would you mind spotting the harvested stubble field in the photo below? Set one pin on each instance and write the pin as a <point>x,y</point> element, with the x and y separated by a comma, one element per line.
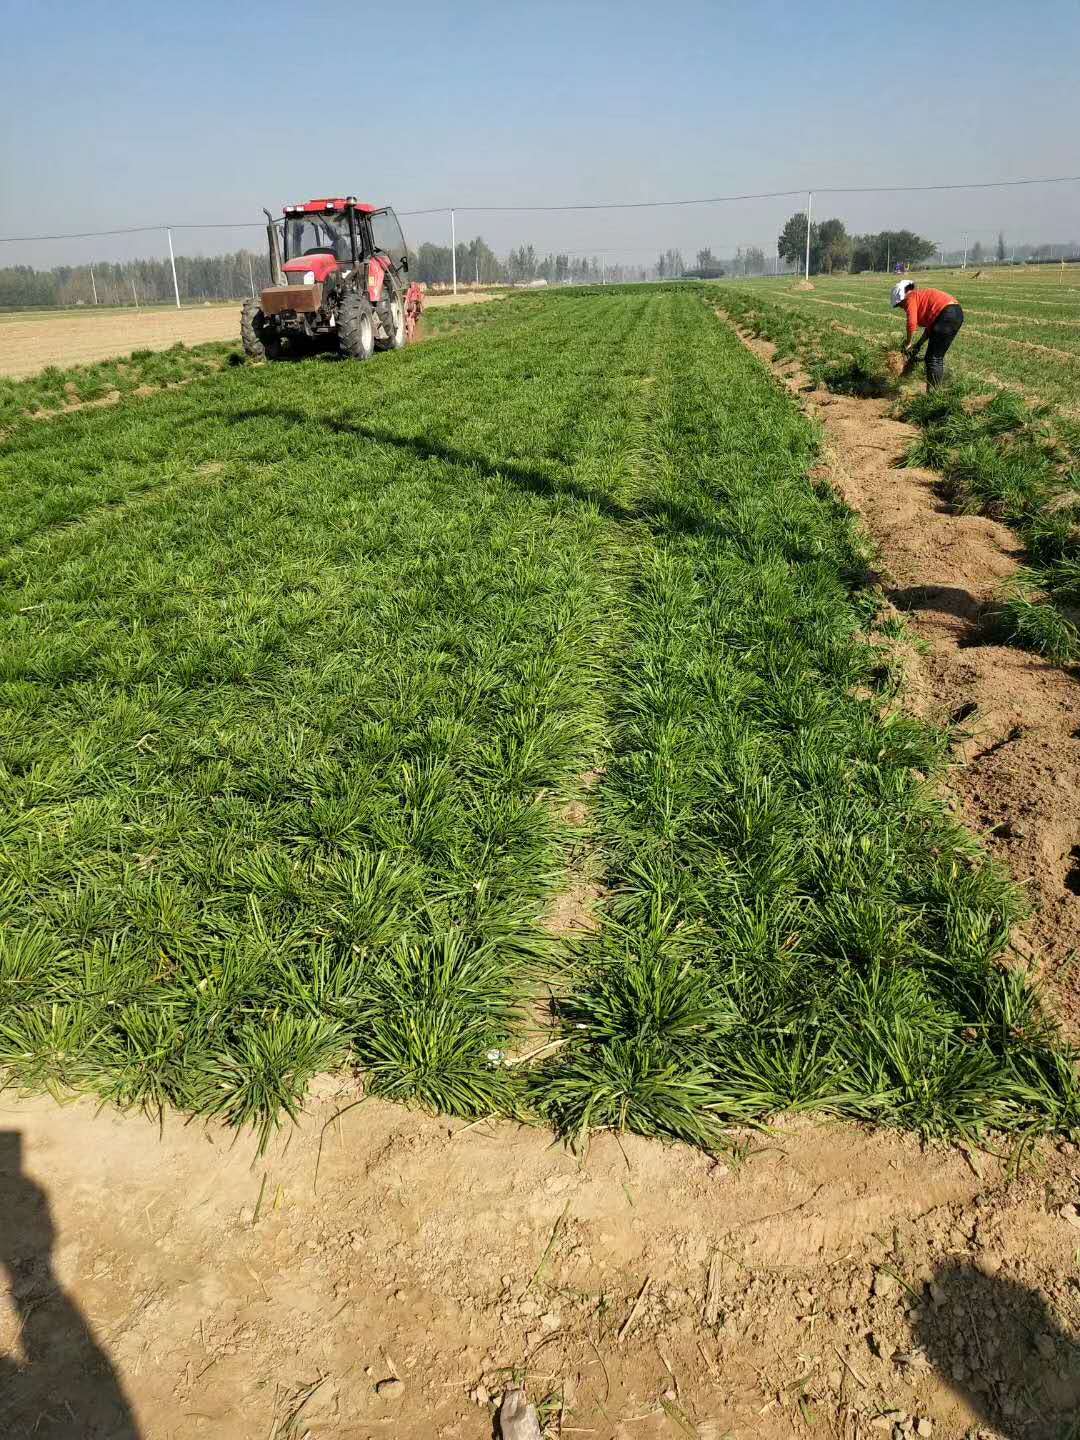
<point>511,722</point>
<point>31,341</point>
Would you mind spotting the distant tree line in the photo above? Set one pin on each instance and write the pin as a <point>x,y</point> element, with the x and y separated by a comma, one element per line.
<point>216,277</point>
<point>708,266</point>
<point>832,248</point>
<point>477,264</point>
<point>232,277</point>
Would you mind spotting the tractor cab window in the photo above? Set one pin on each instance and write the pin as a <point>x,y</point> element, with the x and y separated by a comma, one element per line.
<point>386,235</point>
<point>317,235</point>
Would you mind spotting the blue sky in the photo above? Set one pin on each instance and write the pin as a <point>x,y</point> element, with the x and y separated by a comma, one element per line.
<point>117,113</point>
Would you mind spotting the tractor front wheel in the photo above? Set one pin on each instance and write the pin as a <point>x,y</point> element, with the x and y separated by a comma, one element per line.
<point>260,340</point>
<point>356,326</point>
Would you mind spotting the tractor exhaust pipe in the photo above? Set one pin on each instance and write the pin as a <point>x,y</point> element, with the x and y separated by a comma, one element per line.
<point>277,275</point>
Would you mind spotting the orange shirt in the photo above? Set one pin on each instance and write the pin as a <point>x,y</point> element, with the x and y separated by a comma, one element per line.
<point>923,307</point>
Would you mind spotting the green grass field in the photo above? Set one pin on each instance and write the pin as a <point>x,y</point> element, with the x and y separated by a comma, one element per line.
<point>1021,328</point>
<point>301,667</point>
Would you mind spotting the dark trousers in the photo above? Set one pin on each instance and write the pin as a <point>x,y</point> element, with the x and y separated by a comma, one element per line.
<point>942,333</point>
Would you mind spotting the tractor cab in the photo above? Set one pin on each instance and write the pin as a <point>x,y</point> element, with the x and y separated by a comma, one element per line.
<point>344,230</point>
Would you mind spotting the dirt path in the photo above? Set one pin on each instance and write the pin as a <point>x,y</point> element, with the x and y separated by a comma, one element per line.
<point>828,1280</point>
<point>27,346</point>
<point>1018,774</point>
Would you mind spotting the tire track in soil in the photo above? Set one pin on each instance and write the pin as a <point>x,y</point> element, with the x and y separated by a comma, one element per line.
<point>1018,752</point>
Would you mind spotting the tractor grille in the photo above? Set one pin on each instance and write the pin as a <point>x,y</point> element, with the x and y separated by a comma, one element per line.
<point>303,299</point>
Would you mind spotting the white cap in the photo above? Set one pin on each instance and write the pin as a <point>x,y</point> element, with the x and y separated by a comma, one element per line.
<point>900,289</point>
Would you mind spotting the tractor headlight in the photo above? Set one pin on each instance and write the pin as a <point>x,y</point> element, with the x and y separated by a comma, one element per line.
<point>309,277</point>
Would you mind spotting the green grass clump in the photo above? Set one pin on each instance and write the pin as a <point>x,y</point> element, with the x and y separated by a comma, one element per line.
<point>57,389</point>
<point>1028,617</point>
<point>796,922</point>
<point>302,666</point>
<point>864,372</point>
<point>298,668</point>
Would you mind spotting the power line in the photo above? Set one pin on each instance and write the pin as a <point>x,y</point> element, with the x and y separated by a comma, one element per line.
<point>589,205</point>
<point>764,195</point>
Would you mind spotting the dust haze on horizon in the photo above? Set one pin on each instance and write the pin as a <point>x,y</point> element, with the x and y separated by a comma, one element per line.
<point>207,114</point>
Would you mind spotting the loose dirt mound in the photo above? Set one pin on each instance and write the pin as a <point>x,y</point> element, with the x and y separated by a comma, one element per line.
<point>832,1276</point>
<point>1018,774</point>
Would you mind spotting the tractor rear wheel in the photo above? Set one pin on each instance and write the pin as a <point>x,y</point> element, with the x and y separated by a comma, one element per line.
<point>260,341</point>
<point>356,326</point>
<point>393,317</point>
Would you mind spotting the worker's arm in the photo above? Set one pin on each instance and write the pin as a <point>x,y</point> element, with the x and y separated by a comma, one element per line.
<point>912,323</point>
<point>911,347</point>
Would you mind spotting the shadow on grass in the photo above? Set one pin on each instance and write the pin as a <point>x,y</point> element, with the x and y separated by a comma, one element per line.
<point>652,511</point>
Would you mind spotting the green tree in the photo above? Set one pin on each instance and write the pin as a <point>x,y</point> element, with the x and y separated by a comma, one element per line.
<point>706,260</point>
<point>978,254</point>
<point>834,246</point>
<point>1001,247</point>
<point>886,247</point>
<point>792,242</point>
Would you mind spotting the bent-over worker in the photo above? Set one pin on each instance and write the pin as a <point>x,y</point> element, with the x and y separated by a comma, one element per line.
<point>940,316</point>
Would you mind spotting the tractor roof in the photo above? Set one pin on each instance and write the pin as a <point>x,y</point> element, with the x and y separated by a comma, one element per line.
<point>312,207</point>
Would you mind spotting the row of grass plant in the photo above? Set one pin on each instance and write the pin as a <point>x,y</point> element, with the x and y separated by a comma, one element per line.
<point>56,388</point>
<point>284,745</point>
<point>796,922</point>
<point>298,676</point>
<point>997,455</point>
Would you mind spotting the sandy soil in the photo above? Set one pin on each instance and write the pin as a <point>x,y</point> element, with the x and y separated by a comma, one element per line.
<point>823,1282</point>
<point>1017,774</point>
<point>27,346</point>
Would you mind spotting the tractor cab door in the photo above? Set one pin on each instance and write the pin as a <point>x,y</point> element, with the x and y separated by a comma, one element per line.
<point>386,236</point>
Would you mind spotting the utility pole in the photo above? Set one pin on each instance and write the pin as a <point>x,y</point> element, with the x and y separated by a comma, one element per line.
<point>453,250</point>
<point>888,255</point>
<point>251,278</point>
<point>93,284</point>
<point>172,262</point>
<point>963,237</point>
<point>133,294</point>
<point>477,258</point>
<point>809,208</point>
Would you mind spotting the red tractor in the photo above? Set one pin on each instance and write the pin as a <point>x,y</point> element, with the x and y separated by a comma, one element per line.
<point>339,276</point>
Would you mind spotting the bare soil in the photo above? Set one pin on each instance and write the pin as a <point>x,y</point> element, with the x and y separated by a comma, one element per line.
<point>827,1281</point>
<point>65,339</point>
<point>1017,772</point>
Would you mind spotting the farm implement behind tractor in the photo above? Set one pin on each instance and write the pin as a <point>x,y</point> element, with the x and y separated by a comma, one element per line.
<point>339,274</point>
